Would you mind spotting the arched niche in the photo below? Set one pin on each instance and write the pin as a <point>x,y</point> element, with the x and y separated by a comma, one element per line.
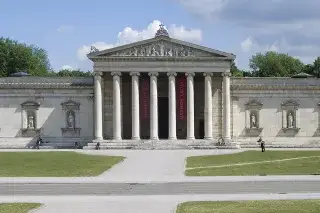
<point>290,116</point>
<point>253,118</point>
<point>70,112</point>
<point>30,115</point>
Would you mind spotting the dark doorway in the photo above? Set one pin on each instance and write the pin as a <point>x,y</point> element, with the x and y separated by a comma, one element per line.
<point>201,129</point>
<point>163,117</point>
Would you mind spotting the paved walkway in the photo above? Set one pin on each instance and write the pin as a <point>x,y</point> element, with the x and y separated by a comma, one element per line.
<point>137,204</point>
<point>154,165</point>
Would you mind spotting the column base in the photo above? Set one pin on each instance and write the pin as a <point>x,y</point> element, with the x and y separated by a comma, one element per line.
<point>208,138</point>
<point>190,138</point>
<point>154,138</point>
<point>135,138</point>
<point>117,139</point>
<point>172,138</point>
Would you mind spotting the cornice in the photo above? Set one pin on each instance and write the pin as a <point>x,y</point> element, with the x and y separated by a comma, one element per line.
<point>40,86</point>
<point>274,87</point>
<point>162,58</point>
<point>45,82</point>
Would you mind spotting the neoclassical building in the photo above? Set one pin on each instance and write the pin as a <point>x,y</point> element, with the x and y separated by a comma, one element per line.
<point>160,93</point>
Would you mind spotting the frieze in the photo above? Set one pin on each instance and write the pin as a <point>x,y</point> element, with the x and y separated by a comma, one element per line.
<point>162,49</point>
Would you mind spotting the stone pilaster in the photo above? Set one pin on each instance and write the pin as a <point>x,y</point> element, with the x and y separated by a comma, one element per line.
<point>172,106</point>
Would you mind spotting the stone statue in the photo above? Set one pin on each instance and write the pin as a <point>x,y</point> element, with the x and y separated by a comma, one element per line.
<point>253,120</point>
<point>93,49</point>
<point>70,120</point>
<point>290,120</point>
<point>31,121</point>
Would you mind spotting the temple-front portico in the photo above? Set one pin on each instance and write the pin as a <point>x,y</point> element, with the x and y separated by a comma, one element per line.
<point>162,89</point>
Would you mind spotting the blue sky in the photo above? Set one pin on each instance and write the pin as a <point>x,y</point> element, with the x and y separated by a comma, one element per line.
<point>66,29</point>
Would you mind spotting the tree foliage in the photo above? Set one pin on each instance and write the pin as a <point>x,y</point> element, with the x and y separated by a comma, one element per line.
<point>273,64</point>
<point>19,57</point>
<point>313,69</point>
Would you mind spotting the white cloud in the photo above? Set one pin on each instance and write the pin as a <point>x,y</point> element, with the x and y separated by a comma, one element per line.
<point>289,26</point>
<point>85,49</point>
<point>67,67</point>
<point>246,45</point>
<point>65,28</point>
<point>130,35</point>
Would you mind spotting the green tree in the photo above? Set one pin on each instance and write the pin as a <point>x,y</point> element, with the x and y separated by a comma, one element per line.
<point>17,57</point>
<point>273,64</point>
<point>316,68</point>
<point>235,71</point>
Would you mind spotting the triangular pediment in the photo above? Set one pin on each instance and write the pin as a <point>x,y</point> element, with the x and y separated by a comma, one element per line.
<point>161,47</point>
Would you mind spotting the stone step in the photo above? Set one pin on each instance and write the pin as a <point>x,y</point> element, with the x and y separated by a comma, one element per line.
<point>157,146</point>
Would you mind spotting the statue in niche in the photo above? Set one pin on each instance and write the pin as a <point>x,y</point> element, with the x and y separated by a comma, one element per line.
<point>70,120</point>
<point>30,121</point>
<point>253,121</point>
<point>290,120</point>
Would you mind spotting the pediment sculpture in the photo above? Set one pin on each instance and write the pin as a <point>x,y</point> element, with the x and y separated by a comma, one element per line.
<point>160,48</point>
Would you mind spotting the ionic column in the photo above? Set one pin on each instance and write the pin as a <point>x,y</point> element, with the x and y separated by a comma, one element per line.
<point>98,106</point>
<point>226,105</point>
<point>153,106</point>
<point>135,105</point>
<point>190,106</point>
<point>208,105</point>
<point>172,106</point>
<point>116,106</point>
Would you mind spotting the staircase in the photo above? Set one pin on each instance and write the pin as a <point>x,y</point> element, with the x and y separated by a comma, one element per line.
<point>159,145</point>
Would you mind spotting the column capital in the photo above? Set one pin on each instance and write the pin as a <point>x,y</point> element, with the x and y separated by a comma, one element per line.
<point>226,74</point>
<point>116,74</point>
<point>190,74</point>
<point>135,73</point>
<point>172,74</point>
<point>208,74</point>
<point>97,73</point>
<point>153,74</point>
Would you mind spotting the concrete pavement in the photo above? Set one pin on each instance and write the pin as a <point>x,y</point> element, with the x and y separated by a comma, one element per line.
<point>137,204</point>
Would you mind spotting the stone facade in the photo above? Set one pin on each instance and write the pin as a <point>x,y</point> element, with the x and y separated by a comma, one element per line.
<point>160,93</point>
<point>273,99</point>
<point>58,109</point>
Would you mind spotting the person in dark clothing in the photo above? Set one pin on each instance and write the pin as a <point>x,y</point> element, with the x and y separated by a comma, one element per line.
<point>98,146</point>
<point>38,142</point>
<point>262,144</point>
<point>76,145</point>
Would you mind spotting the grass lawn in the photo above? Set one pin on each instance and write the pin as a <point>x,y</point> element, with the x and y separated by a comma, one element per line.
<point>307,165</point>
<point>54,164</point>
<point>18,207</point>
<point>268,206</point>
